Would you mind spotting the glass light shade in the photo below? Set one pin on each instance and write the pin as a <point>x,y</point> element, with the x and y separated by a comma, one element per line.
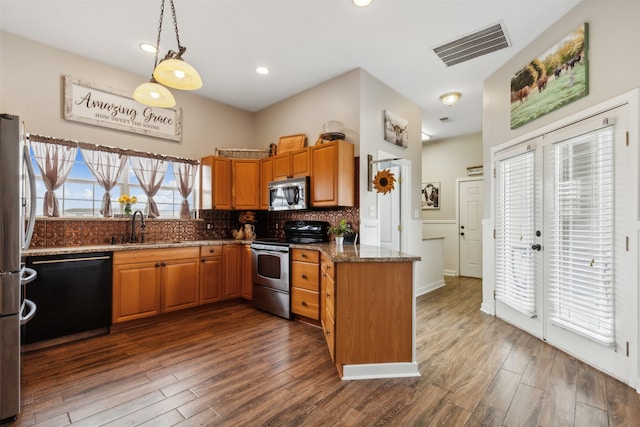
<point>450,98</point>
<point>154,95</point>
<point>178,74</point>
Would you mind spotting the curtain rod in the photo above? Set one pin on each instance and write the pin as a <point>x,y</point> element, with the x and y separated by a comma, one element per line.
<point>106,148</point>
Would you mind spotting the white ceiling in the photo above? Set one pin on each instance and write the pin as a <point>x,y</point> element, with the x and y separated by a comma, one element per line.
<point>303,42</point>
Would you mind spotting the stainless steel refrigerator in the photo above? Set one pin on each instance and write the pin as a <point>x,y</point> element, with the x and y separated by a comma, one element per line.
<point>16,227</point>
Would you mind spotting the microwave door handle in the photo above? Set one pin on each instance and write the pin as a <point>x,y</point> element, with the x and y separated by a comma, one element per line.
<point>32,208</point>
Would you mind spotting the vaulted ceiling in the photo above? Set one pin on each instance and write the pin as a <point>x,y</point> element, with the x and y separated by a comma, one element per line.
<point>302,42</point>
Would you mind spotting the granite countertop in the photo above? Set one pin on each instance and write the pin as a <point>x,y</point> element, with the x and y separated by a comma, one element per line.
<point>346,253</point>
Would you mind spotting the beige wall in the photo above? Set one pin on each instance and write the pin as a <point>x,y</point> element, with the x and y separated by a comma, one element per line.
<point>614,61</point>
<point>32,86</point>
<point>336,99</point>
<point>447,160</point>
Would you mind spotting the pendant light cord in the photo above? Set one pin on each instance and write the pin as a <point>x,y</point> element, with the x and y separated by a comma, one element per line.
<point>155,64</point>
<point>175,25</point>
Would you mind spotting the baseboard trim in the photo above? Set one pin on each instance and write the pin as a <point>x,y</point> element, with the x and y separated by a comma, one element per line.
<point>421,290</point>
<point>370,371</point>
<point>487,308</point>
<point>450,273</point>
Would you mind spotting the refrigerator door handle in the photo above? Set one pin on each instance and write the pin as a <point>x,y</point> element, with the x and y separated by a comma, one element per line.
<point>32,205</point>
<point>25,317</point>
<point>30,277</point>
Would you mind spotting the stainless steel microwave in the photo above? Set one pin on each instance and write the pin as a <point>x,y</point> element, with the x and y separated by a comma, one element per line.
<point>289,194</point>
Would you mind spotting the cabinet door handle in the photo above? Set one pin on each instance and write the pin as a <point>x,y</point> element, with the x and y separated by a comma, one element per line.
<point>304,276</point>
<point>158,264</point>
<point>328,332</point>
<point>303,255</point>
<point>212,251</point>
<point>304,303</point>
<point>164,264</point>
<point>328,295</point>
<point>203,260</point>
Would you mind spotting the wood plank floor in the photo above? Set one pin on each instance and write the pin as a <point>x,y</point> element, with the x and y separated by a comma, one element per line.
<point>233,365</point>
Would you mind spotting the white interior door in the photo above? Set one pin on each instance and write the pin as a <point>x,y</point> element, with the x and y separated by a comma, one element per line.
<point>470,228</point>
<point>389,206</point>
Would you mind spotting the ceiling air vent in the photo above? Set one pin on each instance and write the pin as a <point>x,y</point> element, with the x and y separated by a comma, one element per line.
<point>473,45</point>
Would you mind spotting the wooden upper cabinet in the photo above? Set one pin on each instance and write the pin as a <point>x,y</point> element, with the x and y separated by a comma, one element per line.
<point>332,174</point>
<point>246,179</point>
<point>291,164</point>
<point>282,166</point>
<point>300,163</point>
<point>215,183</point>
<point>266,176</point>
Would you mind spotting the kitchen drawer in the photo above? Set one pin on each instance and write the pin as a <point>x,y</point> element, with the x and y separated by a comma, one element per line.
<point>305,303</point>
<point>329,328</point>
<point>330,298</point>
<point>211,250</point>
<point>305,255</point>
<point>305,275</point>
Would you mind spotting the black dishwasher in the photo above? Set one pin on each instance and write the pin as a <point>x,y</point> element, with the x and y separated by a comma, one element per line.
<point>72,293</point>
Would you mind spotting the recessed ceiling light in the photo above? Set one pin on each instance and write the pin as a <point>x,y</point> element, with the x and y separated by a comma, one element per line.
<point>362,3</point>
<point>148,47</point>
<point>262,70</point>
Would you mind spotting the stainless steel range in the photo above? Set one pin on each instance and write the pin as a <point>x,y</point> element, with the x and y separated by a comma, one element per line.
<point>271,265</point>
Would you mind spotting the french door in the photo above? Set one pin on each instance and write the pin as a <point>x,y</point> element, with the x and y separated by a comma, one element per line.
<point>562,259</point>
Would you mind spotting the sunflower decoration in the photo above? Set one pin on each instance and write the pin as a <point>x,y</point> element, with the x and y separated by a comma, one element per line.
<point>384,181</point>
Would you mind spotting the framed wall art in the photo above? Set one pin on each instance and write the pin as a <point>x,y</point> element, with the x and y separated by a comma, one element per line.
<point>555,78</point>
<point>430,195</point>
<point>395,129</point>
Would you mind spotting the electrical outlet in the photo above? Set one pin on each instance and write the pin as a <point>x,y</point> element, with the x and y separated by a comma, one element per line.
<point>209,226</point>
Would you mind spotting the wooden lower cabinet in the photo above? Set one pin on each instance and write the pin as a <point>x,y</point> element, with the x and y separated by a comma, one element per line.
<point>231,266</point>
<point>246,265</point>
<point>149,282</point>
<point>366,312</point>
<point>327,304</point>
<point>305,283</point>
<point>210,274</point>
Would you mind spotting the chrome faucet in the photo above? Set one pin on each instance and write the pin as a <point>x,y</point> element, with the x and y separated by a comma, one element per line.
<point>133,238</point>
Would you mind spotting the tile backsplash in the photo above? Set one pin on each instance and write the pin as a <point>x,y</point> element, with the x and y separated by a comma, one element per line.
<point>50,232</point>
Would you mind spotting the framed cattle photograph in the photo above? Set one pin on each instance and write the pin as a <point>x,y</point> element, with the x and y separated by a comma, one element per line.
<point>395,129</point>
<point>430,195</point>
<point>557,77</point>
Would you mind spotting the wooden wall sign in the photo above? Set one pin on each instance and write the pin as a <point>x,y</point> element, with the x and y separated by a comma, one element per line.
<point>116,109</point>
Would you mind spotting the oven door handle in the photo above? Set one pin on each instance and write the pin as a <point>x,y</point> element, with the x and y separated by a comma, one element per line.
<point>271,252</point>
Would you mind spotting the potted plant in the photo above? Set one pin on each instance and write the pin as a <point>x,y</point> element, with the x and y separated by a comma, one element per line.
<point>340,230</point>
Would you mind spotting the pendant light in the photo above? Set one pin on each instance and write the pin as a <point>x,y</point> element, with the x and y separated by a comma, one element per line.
<point>175,73</point>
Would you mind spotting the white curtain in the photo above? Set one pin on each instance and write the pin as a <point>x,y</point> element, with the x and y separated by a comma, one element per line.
<point>150,173</point>
<point>185,175</point>
<point>107,168</point>
<point>55,163</point>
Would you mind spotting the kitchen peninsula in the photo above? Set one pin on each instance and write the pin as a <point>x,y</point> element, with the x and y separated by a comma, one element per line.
<point>367,302</point>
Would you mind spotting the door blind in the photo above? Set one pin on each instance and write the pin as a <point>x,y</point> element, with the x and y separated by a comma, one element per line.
<point>580,239</point>
<point>515,223</point>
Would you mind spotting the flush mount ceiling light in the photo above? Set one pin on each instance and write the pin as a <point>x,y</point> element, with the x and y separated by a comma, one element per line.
<point>362,3</point>
<point>172,71</point>
<point>450,98</point>
<point>262,70</point>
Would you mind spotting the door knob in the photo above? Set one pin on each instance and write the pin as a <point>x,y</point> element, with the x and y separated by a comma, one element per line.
<point>536,247</point>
